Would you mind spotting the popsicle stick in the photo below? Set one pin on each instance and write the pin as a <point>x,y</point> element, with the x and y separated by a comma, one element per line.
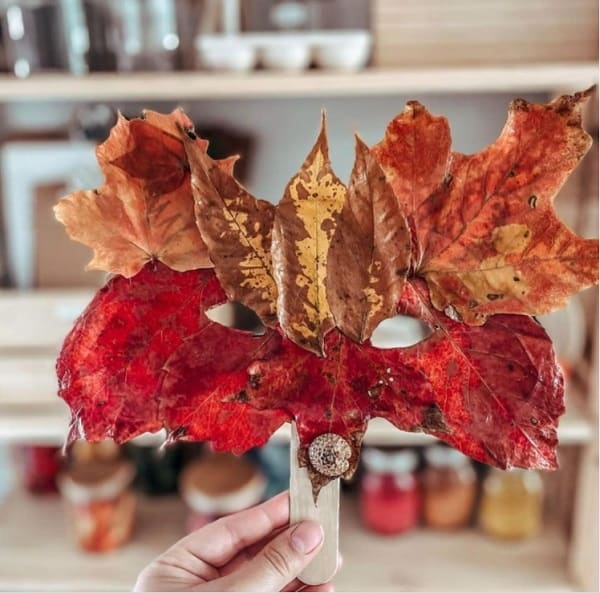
<point>326,512</point>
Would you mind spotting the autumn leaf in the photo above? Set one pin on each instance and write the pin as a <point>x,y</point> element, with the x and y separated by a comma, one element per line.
<point>203,391</point>
<point>494,392</point>
<point>236,228</point>
<point>415,155</point>
<point>144,356</point>
<point>144,211</point>
<point>304,224</point>
<point>489,240</point>
<point>370,251</point>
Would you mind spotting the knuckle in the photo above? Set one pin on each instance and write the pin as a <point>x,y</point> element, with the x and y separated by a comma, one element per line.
<point>277,560</point>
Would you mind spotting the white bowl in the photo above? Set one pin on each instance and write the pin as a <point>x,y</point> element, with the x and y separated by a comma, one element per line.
<point>226,54</point>
<point>286,54</point>
<point>343,51</point>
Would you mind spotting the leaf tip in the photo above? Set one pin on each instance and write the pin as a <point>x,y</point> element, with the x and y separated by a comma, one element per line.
<point>323,119</point>
<point>414,108</point>
<point>573,104</point>
<point>359,143</point>
<point>322,142</point>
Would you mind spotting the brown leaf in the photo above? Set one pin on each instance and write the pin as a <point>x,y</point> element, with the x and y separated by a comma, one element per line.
<point>489,239</point>
<point>304,225</point>
<point>370,251</point>
<point>144,211</point>
<point>236,228</point>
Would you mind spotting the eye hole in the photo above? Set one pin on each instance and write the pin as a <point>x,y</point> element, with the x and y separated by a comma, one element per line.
<point>400,332</point>
<point>237,316</point>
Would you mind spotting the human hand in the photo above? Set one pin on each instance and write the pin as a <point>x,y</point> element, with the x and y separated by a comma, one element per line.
<point>254,550</point>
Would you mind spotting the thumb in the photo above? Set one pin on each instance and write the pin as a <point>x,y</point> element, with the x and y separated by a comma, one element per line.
<point>281,560</point>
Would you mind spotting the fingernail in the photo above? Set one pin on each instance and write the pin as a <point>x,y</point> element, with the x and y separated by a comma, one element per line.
<point>306,537</point>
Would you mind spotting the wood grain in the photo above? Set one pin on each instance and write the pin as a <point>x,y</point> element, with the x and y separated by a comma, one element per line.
<point>326,512</point>
<point>469,32</point>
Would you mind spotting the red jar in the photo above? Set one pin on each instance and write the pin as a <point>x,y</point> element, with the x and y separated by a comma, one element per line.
<point>389,497</point>
<point>39,467</point>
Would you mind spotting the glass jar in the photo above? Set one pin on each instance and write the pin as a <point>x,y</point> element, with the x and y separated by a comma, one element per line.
<point>449,487</point>
<point>100,502</point>
<point>219,484</point>
<point>511,504</point>
<point>39,466</point>
<point>145,33</point>
<point>389,492</point>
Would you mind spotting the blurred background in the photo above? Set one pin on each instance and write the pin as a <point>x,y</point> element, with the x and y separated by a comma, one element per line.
<point>254,76</point>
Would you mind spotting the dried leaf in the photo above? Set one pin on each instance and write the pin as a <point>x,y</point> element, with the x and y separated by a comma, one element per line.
<point>493,392</point>
<point>415,155</point>
<point>144,355</point>
<point>144,211</point>
<point>489,239</point>
<point>236,228</point>
<point>370,252</point>
<point>204,390</point>
<point>141,342</point>
<point>304,225</point>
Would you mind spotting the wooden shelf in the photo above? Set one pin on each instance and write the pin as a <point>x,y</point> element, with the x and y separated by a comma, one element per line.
<point>37,552</point>
<point>179,86</point>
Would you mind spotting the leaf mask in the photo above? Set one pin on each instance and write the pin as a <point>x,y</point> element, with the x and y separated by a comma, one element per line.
<point>470,245</point>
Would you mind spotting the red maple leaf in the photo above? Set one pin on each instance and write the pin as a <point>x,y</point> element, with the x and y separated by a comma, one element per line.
<point>143,356</point>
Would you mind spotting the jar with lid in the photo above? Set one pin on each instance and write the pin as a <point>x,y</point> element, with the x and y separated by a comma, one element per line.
<point>101,505</point>
<point>449,487</point>
<point>218,484</point>
<point>511,504</point>
<point>389,492</point>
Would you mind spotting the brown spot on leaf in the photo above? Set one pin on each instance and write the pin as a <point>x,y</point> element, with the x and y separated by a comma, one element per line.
<point>433,420</point>
<point>241,397</point>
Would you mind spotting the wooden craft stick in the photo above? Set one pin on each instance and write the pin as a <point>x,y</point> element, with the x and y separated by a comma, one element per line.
<point>326,512</point>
